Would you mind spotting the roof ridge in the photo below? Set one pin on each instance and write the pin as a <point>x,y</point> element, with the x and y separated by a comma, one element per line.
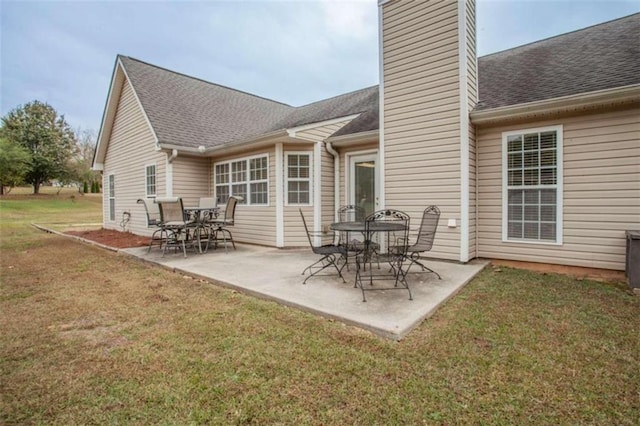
<point>202,80</point>
<point>557,36</point>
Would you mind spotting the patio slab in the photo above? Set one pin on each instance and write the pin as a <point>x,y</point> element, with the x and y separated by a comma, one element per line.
<point>275,274</point>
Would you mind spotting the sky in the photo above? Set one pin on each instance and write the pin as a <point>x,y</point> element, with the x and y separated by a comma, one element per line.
<point>296,52</point>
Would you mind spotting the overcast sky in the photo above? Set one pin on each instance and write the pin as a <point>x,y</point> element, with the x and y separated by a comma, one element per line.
<point>295,52</point>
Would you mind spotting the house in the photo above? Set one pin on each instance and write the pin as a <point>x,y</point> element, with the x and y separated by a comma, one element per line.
<point>531,153</point>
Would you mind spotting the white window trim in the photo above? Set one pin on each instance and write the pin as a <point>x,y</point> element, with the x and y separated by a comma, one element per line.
<point>559,185</point>
<point>111,198</point>
<point>146,185</point>
<point>247,201</point>
<point>286,178</point>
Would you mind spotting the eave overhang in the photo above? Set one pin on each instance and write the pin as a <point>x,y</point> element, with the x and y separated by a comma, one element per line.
<point>627,95</point>
<point>354,139</point>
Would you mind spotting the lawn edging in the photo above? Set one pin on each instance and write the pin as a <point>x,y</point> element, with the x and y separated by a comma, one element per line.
<point>75,237</point>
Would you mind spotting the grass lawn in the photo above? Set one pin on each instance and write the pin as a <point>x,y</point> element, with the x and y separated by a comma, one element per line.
<point>90,336</point>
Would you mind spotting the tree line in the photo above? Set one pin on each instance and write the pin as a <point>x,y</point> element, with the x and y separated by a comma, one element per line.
<point>38,146</point>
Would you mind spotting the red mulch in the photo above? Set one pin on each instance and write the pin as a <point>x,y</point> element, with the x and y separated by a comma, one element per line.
<point>113,238</point>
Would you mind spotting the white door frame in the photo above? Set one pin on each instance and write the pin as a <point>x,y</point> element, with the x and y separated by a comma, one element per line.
<point>349,181</point>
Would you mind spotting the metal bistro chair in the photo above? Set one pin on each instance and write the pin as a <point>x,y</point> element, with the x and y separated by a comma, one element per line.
<point>426,235</point>
<point>174,224</point>
<point>153,221</point>
<point>350,213</point>
<point>327,251</point>
<point>220,226</point>
<point>393,225</point>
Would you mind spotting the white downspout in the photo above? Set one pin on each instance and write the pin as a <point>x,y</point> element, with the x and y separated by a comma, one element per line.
<point>336,177</point>
<point>169,177</point>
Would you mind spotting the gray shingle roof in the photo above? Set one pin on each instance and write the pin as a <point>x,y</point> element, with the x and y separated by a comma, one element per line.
<point>189,112</point>
<point>600,57</point>
<point>186,111</point>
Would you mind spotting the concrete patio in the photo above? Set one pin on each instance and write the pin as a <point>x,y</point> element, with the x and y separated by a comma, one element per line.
<point>275,274</point>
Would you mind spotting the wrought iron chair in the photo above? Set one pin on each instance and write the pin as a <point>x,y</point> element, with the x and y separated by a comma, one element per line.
<point>350,213</point>
<point>426,235</point>
<point>327,251</point>
<point>153,221</point>
<point>393,225</point>
<point>175,225</point>
<point>220,226</point>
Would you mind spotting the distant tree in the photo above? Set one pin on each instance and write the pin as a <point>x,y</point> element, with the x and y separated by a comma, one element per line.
<point>86,146</point>
<point>46,136</point>
<point>14,160</point>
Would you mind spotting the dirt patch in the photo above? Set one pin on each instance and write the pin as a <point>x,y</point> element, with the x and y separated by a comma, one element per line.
<point>112,238</point>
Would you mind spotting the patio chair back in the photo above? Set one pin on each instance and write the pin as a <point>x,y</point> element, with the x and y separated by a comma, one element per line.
<point>208,203</point>
<point>395,239</point>
<point>171,211</point>
<point>351,213</point>
<point>306,231</point>
<point>152,211</point>
<point>427,231</point>
<point>230,210</point>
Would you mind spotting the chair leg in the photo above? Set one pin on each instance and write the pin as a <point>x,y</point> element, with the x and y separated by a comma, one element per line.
<point>415,258</point>
<point>322,264</point>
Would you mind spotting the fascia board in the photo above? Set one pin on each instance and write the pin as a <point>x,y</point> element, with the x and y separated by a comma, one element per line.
<point>293,130</point>
<point>108,116</point>
<point>620,95</point>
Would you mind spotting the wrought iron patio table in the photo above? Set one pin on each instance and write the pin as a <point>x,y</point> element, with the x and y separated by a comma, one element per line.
<point>368,229</point>
<point>200,216</point>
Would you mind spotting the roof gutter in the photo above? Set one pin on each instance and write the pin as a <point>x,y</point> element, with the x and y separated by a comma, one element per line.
<point>597,99</point>
<point>354,138</point>
<point>230,148</point>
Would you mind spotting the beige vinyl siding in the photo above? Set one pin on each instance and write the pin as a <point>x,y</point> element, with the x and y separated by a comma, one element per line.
<point>601,191</point>
<point>191,179</point>
<point>255,224</point>
<point>131,147</point>
<point>472,100</point>
<point>422,114</point>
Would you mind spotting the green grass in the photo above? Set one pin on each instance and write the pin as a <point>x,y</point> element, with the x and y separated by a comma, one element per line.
<point>90,336</point>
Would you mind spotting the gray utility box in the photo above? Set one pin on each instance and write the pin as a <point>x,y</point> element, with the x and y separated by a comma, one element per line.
<point>632,264</point>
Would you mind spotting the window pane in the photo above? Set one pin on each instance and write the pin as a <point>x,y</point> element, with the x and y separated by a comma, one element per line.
<point>239,171</point>
<point>548,196</point>
<point>515,196</point>
<point>515,212</point>
<point>531,142</point>
<point>548,176</point>
<point>222,192</point>
<point>241,191</point>
<point>548,231</point>
<point>531,177</point>
<point>548,158</point>
<point>531,159</point>
<point>531,213</point>
<point>259,193</point>
<point>515,177</point>
<point>531,231</point>
<point>515,160</point>
<point>515,230</point>
<point>548,140</point>
<point>548,213</point>
<point>514,143</point>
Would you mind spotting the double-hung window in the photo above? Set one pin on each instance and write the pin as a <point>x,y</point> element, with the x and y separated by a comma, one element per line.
<point>111,184</point>
<point>247,178</point>
<point>150,180</point>
<point>298,178</point>
<point>532,185</point>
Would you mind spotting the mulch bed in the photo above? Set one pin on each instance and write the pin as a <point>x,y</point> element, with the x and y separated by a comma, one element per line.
<point>112,238</point>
